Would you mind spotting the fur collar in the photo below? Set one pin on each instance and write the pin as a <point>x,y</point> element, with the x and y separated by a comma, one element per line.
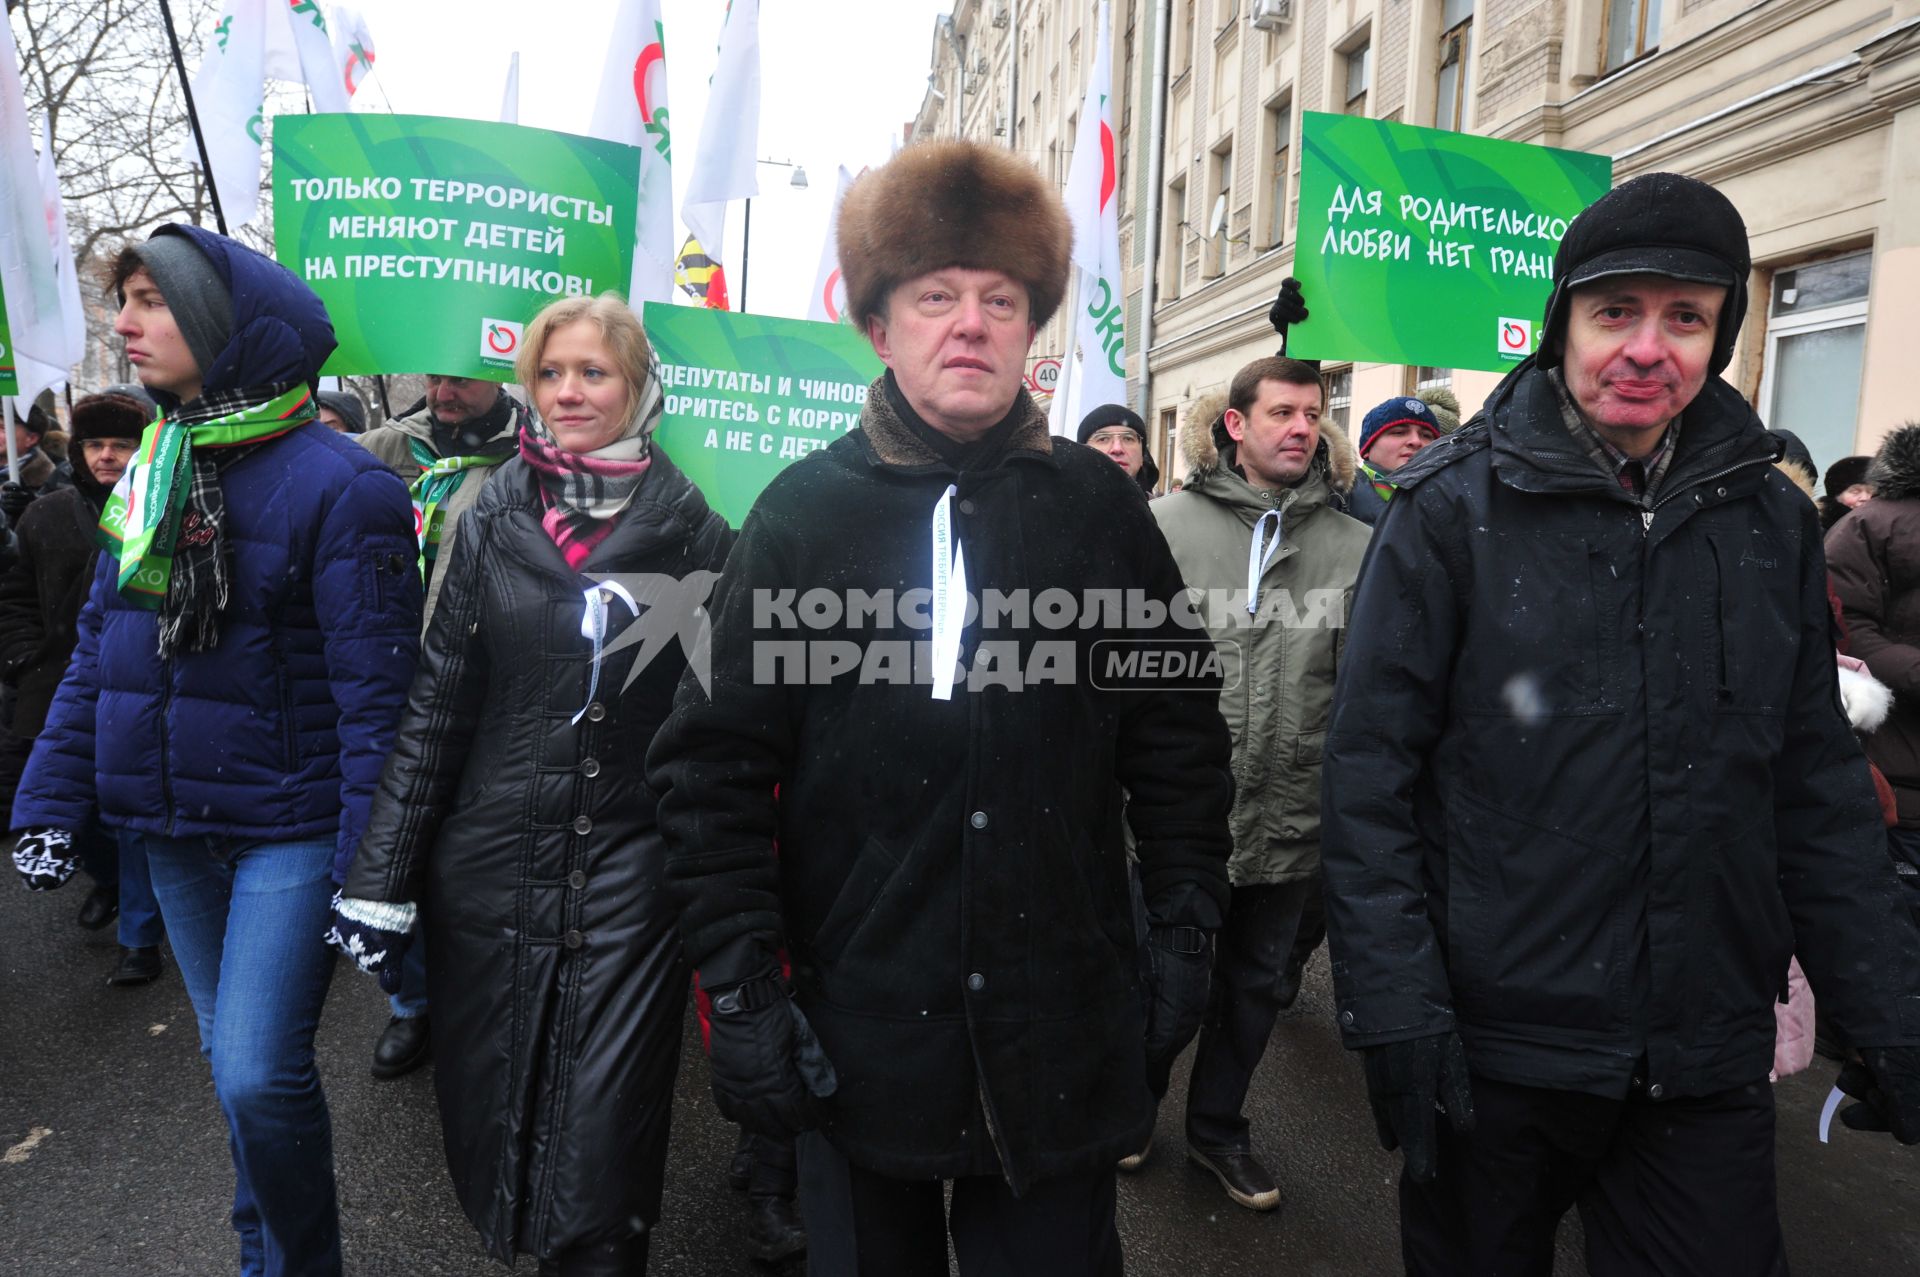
<point>1895,471</point>
<point>1203,454</point>
<point>890,443</point>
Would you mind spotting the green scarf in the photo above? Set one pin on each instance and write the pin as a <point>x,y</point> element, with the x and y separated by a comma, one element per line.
<point>141,520</point>
<point>440,478</point>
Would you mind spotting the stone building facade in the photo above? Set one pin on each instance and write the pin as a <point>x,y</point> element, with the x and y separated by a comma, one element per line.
<point>1806,112</point>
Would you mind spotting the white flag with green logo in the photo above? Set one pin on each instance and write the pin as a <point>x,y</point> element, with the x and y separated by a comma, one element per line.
<point>229,92</point>
<point>300,51</point>
<point>632,108</point>
<point>1097,371</point>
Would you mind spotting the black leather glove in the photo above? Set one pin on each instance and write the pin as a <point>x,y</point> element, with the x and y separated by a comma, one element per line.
<point>1406,1083</point>
<point>1179,974</point>
<point>1887,1085</point>
<point>14,500</point>
<point>45,858</point>
<point>1288,308</point>
<point>769,1072</point>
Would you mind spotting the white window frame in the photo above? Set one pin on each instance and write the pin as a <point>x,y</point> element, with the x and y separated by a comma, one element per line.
<point>1846,314</point>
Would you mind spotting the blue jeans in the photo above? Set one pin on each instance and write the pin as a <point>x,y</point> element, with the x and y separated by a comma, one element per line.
<point>139,912</point>
<point>245,920</point>
<point>411,1000</point>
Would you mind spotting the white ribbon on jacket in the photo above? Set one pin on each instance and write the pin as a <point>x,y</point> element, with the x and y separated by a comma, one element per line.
<point>1257,562</point>
<point>949,596</point>
<point>593,625</point>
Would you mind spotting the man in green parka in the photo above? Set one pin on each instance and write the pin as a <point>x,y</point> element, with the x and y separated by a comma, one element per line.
<point>1275,566</point>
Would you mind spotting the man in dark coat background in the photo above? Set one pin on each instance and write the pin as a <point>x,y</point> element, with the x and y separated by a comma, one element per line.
<point>1589,786</point>
<point>40,600</point>
<point>950,883</point>
<point>1873,554</point>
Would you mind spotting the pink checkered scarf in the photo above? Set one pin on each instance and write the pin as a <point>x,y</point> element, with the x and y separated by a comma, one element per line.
<point>584,491</point>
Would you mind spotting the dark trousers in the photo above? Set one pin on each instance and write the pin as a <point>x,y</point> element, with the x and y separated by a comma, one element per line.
<point>860,1224</point>
<point>1680,1188</point>
<point>1250,957</point>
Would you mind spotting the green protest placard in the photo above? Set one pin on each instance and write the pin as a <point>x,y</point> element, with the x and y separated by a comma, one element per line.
<point>9,377</point>
<point>1425,246</point>
<point>746,395</point>
<point>433,241</point>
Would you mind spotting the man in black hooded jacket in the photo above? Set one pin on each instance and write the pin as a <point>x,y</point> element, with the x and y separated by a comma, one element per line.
<point>1589,785</point>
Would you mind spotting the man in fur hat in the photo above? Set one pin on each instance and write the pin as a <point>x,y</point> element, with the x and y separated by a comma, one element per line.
<point>1589,786</point>
<point>951,885</point>
<point>1255,522</point>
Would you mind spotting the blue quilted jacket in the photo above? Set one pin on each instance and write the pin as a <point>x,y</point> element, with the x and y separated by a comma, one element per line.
<point>280,731</point>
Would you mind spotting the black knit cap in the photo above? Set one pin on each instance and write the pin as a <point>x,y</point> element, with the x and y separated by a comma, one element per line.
<point>1657,224</point>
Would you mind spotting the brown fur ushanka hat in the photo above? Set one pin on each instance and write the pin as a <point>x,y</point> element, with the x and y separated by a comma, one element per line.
<point>952,203</point>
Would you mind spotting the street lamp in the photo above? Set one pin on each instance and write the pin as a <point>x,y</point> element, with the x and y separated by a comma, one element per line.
<point>799,183</point>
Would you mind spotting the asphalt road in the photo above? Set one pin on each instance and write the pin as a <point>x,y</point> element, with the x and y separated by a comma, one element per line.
<point>116,1160</point>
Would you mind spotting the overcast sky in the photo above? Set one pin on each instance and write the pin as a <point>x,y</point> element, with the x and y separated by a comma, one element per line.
<point>838,79</point>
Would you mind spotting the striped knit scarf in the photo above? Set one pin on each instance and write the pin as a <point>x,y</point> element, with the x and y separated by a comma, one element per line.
<point>166,520</point>
<point>585,491</point>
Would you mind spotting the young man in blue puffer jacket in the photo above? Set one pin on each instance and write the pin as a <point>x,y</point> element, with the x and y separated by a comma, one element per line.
<point>242,661</point>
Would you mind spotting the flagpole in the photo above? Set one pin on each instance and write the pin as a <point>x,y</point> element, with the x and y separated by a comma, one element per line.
<point>746,242</point>
<point>13,456</point>
<point>193,117</point>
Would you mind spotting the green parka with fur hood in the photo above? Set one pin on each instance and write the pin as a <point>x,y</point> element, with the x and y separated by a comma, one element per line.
<point>1280,662</point>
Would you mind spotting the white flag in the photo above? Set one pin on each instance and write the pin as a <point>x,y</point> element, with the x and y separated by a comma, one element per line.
<point>510,96</point>
<point>632,108</point>
<point>28,269</point>
<point>34,374</point>
<point>1095,372</point>
<point>723,167</point>
<point>829,290</point>
<point>353,52</point>
<point>229,91</point>
<point>300,51</point>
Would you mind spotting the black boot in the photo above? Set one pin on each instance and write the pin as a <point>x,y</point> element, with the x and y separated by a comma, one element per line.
<point>773,1228</point>
<point>404,1046</point>
<point>101,906</point>
<point>740,1166</point>
<point>139,965</point>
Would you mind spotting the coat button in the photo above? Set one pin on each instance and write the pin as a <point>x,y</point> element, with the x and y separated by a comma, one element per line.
<point>474,628</point>
<point>966,507</point>
<point>976,982</point>
<point>596,712</point>
<point>590,768</point>
<point>582,825</point>
<point>576,880</point>
<point>1656,1091</point>
<point>979,820</point>
<point>573,939</point>
<point>1346,1018</point>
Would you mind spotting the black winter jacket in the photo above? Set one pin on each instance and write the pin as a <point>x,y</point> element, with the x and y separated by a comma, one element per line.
<point>531,846</point>
<point>1589,784</point>
<point>950,878</point>
<point>41,595</point>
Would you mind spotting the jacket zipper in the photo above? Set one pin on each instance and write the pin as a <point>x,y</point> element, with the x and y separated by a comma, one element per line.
<point>1646,516</point>
<point>166,708</point>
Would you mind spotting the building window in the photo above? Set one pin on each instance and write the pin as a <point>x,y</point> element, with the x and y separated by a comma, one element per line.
<point>1359,78</point>
<point>1173,249</point>
<point>1633,30</point>
<point>1816,333</point>
<point>1229,10</point>
<point>1279,125</point>
<point>1183,20</point>
<point>1339,395</point>
<point>1456,53</point>
<point>1165,445</point>
<point>1219,206</point>
<point>1432,379</point>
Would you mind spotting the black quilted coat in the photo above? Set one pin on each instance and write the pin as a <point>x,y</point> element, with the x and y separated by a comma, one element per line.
<point>530,844</point>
